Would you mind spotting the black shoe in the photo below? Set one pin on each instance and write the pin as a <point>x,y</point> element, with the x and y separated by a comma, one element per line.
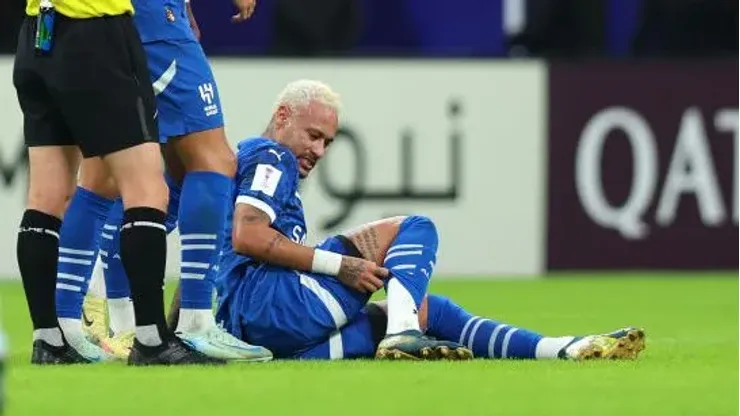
<point>172,352</point>
<point>45,353</point>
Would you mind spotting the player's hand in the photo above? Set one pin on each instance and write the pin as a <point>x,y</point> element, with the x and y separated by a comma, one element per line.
<point>246,8</point>
<point>361,275</point>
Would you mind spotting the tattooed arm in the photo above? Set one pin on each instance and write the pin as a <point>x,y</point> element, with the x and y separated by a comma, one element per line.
<point>252,236</point>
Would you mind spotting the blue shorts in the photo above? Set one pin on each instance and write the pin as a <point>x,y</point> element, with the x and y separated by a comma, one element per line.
<point>186,92</point>
<point>297,315</point>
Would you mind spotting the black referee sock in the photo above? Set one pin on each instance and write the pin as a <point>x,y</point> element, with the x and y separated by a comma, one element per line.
<point>37,252</point>
<point>144,256</point>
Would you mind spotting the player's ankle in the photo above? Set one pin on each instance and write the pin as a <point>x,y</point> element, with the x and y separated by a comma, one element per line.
<point>195,321</point>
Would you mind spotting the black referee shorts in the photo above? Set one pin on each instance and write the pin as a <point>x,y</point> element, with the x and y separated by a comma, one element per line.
<point>93,90</point>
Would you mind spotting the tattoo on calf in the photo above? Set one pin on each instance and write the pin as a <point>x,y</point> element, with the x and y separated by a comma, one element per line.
<point>367,243</point>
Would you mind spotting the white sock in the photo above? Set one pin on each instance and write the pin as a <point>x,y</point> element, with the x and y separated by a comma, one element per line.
<point>52,336</point>
<point>72,329</point>
<point>148,335</point>
<point>121,315</point>
<point>402,311</point>
<point>97,283</point>
<point>194,321</point>
<point>550,347</point>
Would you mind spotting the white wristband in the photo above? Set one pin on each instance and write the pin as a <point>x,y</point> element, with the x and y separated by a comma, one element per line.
<point>326,262</point>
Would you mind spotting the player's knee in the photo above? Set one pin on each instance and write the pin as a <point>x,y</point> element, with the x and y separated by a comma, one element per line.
<point>99,182</point>
<point>422,224</point>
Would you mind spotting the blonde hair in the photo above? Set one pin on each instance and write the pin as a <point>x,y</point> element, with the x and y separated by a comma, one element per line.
<point>304,91</point>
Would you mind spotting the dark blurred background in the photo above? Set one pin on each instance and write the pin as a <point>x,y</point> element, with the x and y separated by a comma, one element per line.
<point>459,28</point>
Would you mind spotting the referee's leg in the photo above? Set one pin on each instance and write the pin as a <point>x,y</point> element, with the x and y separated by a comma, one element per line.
<point>110,107</point>
<point>53,160</point>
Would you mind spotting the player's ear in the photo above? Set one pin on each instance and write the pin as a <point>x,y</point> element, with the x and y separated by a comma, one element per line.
<point>282,114</point>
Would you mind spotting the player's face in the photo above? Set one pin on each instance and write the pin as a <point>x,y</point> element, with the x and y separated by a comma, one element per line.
<point>309,133</point>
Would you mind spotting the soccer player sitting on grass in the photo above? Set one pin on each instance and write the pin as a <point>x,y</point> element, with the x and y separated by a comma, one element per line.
<point>313,303</point>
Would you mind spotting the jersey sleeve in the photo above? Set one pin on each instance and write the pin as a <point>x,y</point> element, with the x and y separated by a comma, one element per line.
<point>267,180</point>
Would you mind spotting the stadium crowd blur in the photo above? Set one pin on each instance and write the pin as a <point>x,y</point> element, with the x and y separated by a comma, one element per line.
<point>461,28</point>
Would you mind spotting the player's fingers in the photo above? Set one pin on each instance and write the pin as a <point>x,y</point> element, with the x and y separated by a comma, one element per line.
<point>375,282</point>
<point>381,272</point>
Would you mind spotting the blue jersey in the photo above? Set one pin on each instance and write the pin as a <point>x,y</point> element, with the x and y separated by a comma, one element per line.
<point>158,20</point>
<point>290,312</point>
<point>267,178</point>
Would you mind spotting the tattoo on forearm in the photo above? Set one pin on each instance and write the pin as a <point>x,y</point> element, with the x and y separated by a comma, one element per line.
<point>276,241</point>
<point>367,243</point>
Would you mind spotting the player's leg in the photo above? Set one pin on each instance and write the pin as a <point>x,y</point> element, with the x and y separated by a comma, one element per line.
<point>118,292</point>
<point>119,125</point>
<point>191,118</point>
<point>407,247</point>
<point>441,318</point>
<point>53,160</point>
<point>79,240</point>
<point>489,338</point>
<point>356,340</point>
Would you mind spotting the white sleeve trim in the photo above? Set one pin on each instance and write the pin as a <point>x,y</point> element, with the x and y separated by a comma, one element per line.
<point>260,205</point>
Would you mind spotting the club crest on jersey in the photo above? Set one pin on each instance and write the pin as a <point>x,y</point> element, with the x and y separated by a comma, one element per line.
<point>169,14</point>
<point>208,95</point>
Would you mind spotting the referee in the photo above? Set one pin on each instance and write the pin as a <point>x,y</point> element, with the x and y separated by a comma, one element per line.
<point>83,85</point>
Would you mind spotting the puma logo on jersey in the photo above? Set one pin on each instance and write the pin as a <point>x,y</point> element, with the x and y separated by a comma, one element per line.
<point>279,156</point>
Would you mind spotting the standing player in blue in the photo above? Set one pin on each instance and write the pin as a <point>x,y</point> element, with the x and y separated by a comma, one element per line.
<point>201,164</point>
<point>312,303</point>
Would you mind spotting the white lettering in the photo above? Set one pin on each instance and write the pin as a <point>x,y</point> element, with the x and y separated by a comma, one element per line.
<point>691,171</point>
<point>627,219</point>
<point>726,120</point>
<point>298,235</point>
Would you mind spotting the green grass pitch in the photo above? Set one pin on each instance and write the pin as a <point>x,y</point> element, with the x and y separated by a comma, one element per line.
<point>690,366</point>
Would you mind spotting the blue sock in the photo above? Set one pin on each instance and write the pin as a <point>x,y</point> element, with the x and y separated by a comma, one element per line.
<point>174,205</point>
<point>203,211</point>
<point>79,240</point>
<point>485,337</point>
<point>412,255</point>
<point>116,281</point>
<point>410,260</point>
